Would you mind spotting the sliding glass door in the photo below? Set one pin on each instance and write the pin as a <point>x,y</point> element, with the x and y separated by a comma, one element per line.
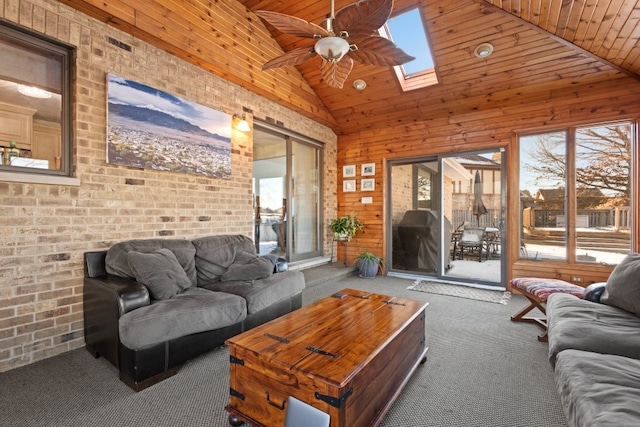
<point>447,217</point>
<point>286,194</point>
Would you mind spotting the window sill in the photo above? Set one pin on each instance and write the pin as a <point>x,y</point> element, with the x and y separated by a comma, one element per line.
<point>29,178</point>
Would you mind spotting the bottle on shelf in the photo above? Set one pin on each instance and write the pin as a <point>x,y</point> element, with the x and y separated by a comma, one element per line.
<point>13,152</point>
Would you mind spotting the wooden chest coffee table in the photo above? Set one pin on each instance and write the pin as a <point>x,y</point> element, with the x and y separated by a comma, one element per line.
<point>348,355</point>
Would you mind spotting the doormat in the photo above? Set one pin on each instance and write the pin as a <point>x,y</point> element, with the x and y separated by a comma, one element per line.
<point>498,297</point>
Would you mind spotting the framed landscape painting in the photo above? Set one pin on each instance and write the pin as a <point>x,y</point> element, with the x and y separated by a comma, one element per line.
<point>349,185</point>
<point>367,184</point>
<point>349,171</point>
<point>151,129</point>
<point>368,169</point>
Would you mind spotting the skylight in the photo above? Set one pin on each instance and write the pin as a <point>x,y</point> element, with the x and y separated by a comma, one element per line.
<point>407,31</point>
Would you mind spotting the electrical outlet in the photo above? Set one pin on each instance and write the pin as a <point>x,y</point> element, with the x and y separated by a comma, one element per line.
<point>576,279</point>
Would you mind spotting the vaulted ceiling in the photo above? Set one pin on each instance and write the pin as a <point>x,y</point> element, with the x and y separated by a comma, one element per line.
<point>543,48</point>
<point>540,47</point>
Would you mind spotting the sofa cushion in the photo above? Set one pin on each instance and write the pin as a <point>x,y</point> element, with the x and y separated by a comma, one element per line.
<point>160,272</point>
<point>194,310</point>
<point>262,293</point>
<point>623,286</point>
<point>248,266</point>
<point>117,263</point>
<point>574,323</point>
<point>214,255</point>
<point>597,389</point>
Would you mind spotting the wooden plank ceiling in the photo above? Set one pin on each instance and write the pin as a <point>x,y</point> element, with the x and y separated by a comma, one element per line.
<point>530,61</point>
<point>608,29</point>
<point>542,47</point>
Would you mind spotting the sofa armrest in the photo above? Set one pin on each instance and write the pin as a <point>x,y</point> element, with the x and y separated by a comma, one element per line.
<point>594,291</point>
<point>279,264</point>
<point>125,294</point>
<point>105,299</point>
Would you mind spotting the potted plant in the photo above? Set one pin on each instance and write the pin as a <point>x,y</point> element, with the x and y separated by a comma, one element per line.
<point>369,264</point>
<point>345,227</point>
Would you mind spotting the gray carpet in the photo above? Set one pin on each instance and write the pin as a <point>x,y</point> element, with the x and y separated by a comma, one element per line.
<point>481,370</point>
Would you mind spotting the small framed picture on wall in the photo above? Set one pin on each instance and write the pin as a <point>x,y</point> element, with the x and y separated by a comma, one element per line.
<point>349,171</point>
<point>368,184</point>
<point>368,169</point>
<point>349,185</point>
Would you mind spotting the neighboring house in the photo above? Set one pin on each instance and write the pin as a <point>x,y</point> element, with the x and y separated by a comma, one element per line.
<point>554,198</point>
<point>490,174</point>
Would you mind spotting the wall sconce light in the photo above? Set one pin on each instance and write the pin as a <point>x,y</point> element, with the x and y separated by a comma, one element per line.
<point>241,123</point>
<point>483,50</point>
<point>359,84</point>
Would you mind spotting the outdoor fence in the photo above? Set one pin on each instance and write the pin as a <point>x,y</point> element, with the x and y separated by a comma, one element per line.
<point>465,216</point>
<point>616,218</point>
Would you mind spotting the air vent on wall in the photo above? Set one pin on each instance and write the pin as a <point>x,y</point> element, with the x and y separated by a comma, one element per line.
<point>119,44</point>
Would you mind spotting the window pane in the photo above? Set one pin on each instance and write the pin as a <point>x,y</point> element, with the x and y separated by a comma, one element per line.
<point>305,201</point>
<point>34,130</point>
<point>603,192</point>
<point>408,34</point>
<point>269,190</point>
<point>542,196</point>
<point>425,184</point>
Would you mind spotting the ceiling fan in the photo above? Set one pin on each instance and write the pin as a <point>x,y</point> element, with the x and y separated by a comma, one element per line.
<point>351,31</point>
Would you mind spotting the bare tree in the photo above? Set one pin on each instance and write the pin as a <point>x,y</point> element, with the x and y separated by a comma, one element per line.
<point>603,159</point>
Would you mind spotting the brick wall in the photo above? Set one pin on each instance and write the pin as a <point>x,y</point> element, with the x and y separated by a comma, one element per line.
<point>44,229</point>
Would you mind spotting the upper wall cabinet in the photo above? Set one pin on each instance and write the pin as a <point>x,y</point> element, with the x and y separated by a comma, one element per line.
<point>16,124</point>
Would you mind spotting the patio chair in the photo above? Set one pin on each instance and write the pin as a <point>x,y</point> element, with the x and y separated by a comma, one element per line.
<point>472,242</point>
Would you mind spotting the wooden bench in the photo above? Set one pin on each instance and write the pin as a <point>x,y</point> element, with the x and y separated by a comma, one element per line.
<point>537,290</point>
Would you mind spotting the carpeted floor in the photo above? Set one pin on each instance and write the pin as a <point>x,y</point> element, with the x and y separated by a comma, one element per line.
<point>482,371</point>
<point>441,288</point>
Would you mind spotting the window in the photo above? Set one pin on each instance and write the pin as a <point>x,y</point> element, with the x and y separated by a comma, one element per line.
<point>35,125</point>
<point>407,31</point>
<point>287,193</point>
<point>576,195</point>
<point>424,182</point>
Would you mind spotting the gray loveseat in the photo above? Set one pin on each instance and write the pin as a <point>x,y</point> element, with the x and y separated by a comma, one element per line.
<point>594,347</point>
<point>151,305</point>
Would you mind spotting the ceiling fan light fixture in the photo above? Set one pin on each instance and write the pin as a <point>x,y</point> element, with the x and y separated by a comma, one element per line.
<point>483,50</point>
<point>359,84</point>
<point>34,92</point>
<point>331,48</point>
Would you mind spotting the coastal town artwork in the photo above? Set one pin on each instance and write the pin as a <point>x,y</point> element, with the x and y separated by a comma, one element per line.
<point>152,129</point>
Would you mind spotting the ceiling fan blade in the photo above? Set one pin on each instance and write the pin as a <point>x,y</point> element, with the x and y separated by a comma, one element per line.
<point>292,25</point>
<point>376,50</point>
<point>335,73</point>
<point>363,18</point>
<point>293,57</point>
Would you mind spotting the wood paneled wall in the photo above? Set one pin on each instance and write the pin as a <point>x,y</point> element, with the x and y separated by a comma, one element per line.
<point>613,99</point>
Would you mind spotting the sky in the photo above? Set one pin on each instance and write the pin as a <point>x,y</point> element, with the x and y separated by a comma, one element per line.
<point>128,92</point>
<point>526,177</point>
<point>409,35</point>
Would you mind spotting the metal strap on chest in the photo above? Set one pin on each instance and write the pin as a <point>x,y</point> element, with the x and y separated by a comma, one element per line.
<point>322,352</point>
<point>334,401</point>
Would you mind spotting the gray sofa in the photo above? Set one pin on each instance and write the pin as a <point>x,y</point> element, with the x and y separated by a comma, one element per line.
<point>594,348</point>
<point>151,305</point>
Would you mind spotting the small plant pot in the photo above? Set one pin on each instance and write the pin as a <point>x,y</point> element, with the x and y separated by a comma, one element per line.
<point>368,269</point>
